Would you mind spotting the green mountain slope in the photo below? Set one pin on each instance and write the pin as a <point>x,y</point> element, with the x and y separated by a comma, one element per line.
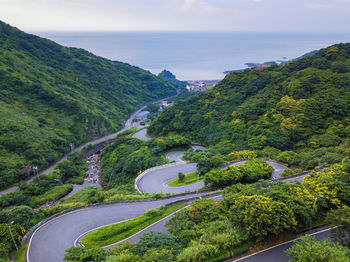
<point>167,75</point>
<point>301,106</point>
<point>51,96</point>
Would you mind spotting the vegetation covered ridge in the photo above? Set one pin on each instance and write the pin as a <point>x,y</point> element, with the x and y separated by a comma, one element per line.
<point>54,97</point>
<point>297,113</point>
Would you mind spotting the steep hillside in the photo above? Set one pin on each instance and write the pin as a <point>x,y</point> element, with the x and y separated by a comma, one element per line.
<point>51,96</point>
<point>167,75</point>
<point>303,106</point>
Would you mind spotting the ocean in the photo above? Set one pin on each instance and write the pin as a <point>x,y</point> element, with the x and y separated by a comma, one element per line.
<point>195,55</point>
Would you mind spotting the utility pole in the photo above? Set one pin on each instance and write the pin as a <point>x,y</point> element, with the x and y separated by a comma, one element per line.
<point>314,206</point>
<point>14,242</point>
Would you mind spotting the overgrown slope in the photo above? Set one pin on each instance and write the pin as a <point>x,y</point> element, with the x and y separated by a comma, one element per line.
<point>301,106</point>
<point>51,96</point>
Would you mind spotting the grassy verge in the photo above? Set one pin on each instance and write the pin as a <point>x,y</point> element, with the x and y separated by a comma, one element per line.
<point>20,254</point>
<point>190,178</point>
<point>89,195</point>
<point>114,233</point>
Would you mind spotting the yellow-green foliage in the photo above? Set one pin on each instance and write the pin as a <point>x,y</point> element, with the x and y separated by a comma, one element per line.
<point>327,186</point>
<point>260,216</point>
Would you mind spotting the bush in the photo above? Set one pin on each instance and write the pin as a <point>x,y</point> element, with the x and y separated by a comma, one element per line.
<point>250,171</point>
<point>309,249</point>
<point>82,254</point>
<point>181,176</point>
<point>157,240</point>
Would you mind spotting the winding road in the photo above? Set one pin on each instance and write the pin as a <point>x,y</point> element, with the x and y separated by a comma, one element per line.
<point>50,240</point>
<point>128,124</point>
<point>156,179</point>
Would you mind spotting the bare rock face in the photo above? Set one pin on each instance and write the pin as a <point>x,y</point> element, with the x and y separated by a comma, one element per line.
<point>94,130</point>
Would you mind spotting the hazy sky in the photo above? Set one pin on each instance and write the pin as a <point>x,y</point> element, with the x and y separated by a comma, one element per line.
<point>202,15</point>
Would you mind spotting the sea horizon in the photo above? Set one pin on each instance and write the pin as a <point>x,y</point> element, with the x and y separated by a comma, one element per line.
<point>195,55</point>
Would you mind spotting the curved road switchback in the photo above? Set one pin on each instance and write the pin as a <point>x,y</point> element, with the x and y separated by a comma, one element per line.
<point>175,156</point>
<point>155,181</point>
<point>50,240</point>
<point>158,226</point>
<point>141,134</point>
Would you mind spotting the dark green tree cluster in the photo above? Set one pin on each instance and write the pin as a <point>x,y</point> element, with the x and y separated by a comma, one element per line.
<point>52,96</point>
<point>302,107</point>
<point>168,76</point>
<point>249,172</point>
<point>152,246</point>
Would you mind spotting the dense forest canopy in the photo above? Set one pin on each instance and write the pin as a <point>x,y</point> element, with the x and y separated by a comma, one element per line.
<point>167,75</point>
<point>51,96</point>
<point>302,106</point>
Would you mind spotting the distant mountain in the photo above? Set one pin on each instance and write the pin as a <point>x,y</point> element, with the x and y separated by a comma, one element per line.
<point>311,53</point>
<point>52,96</point>
<point>167,75</point>
<point>302,106</point>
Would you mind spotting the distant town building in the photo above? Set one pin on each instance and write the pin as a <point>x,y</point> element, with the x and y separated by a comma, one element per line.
<point>200,85</point>
<point>164,104</point>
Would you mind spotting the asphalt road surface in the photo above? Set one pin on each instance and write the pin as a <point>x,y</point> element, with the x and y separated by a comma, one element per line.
<point>278,253</point>
<point>51,240</point>
<point>159,226</point>
<point>156,181</point>
<point>141,134</point>
<point>175,156</point>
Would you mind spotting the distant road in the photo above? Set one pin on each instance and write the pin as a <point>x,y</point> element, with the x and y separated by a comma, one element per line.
<point>128,124</point>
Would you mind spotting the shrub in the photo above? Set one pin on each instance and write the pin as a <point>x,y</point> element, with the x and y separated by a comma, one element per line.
<point>181,176</point>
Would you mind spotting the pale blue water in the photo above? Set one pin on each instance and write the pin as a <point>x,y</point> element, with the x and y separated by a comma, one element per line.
<point>195,55</point>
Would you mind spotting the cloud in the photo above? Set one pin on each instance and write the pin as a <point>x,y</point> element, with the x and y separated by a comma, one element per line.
<point>320,5</point>
<point>188,4</point>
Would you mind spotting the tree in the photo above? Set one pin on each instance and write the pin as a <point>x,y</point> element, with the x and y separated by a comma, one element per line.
<point>260,216</point>
<point>157,240</point>
<point>21,215</point>
<point>197,252</point>
<point>181,176</point>
<point>223,235</point>
<point>82,254</point>
<point>308,249</point>
<point>183,227</point>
